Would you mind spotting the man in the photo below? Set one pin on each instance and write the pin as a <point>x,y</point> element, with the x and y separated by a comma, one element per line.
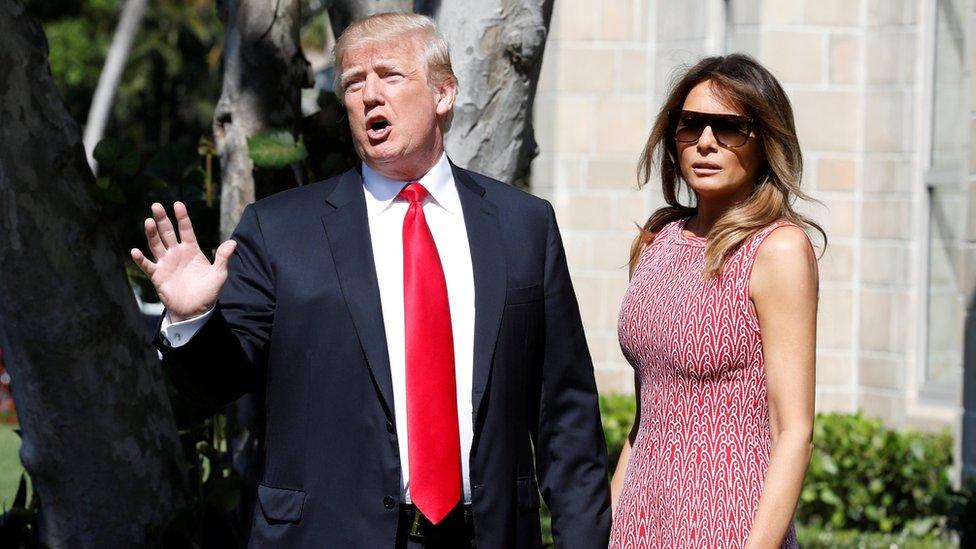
<point>413,326</point>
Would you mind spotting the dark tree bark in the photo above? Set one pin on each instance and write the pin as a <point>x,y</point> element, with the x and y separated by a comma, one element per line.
<point>343,12</point>
<point>99,439</point>
<point>496,48</point>
<point>264,72</point>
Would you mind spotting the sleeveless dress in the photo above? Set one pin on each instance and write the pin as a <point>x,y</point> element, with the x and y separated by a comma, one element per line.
<point>700,456</point>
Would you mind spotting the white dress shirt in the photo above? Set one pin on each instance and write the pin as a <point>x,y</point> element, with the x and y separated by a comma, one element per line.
<point>385,212</point>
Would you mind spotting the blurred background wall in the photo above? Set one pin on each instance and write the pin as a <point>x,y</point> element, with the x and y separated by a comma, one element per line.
<point>885,105</point>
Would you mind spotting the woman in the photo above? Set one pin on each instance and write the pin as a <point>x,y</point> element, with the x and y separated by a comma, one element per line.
<point>719,322</point>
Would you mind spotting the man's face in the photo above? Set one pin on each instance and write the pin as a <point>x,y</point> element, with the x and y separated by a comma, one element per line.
<point>394,113</point>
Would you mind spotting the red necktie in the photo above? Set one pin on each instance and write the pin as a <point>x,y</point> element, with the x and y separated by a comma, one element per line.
<point>433,441</point>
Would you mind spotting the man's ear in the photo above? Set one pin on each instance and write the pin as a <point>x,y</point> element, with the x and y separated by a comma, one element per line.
<point>446,94</point>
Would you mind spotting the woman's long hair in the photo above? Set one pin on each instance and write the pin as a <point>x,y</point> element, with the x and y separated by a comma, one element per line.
<point>741,83</point>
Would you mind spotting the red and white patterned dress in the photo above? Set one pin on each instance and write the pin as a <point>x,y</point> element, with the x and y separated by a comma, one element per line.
<point>699,460</point>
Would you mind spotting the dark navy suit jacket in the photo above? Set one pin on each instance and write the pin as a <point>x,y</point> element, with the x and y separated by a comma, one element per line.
<point>300,318</point>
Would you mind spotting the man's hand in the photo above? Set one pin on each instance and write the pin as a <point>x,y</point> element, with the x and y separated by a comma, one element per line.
<point>186,281</point>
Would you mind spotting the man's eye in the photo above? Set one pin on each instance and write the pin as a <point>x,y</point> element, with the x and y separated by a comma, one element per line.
<point>354,85</point>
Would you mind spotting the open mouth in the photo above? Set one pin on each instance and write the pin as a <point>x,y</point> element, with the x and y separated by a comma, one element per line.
<point>377,127</point>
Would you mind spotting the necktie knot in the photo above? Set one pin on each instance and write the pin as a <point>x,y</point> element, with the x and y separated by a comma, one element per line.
<point>414,192</point>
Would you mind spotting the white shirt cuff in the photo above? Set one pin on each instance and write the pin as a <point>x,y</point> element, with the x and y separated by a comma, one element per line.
<point>178,334</point>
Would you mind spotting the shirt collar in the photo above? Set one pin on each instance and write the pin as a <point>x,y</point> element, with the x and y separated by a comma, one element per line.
<point>439,182</point>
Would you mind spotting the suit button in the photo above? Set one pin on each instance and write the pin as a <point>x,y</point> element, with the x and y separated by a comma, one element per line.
<point>389,502</point>
<point>389,427</point>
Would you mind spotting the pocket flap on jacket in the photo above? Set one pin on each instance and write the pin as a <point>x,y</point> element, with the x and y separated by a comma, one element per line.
<point>515,296</point>
<point>528,494</point>
<point>281,504</point>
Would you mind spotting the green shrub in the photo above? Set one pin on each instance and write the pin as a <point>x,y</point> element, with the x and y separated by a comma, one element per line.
<point>618,413</point>
<point>816,538</point>
<point>866,477</point>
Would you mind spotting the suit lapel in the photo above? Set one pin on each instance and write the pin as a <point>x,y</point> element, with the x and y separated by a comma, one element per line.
<point>347,227</point>
<point>490,275</point>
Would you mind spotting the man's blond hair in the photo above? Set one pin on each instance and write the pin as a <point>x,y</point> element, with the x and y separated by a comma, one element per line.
<point>390,27</point>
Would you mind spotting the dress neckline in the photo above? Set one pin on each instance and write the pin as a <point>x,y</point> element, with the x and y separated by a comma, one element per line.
<point>689,239</point>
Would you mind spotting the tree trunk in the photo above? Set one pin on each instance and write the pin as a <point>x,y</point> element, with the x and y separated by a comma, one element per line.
<point>99,439</point>
<point>108,80</point>
<point>496,48</point>
<point>264,71</point>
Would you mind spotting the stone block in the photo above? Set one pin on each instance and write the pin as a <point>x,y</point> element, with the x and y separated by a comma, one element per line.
<point>885,175</point>
<point>845,57</point>
<point>834,369</point>
<point>836,174</point>
<point>574,20</point>
<point>575,124</point>
<point>831,13</point>
<point>794,57</point>
<point>585,70</point>
<point>834,315</point>
<point>634,72</point>
<point>883,373</point>
<point>839,401</point>
<point>781,12</point>
<point>875,321</point>
<point>890,12</point>
<point>890,57</point>
<point>619,173</point>
<point>886,406</point>
<point>886,218</point>
<point>826,120</point>
<point>837,264</point>
<point>887,122</point>
<point>681,21</point>
<point>884,263</point>
<point>580,210</point>
<point>622,126</point>
<point>618,20</point>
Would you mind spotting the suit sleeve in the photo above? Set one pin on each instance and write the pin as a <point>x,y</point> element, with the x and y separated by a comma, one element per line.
<point>571,457</point>
<point>227,357</point>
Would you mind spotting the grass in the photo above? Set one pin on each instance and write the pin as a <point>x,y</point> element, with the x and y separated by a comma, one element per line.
<point>10,467</point>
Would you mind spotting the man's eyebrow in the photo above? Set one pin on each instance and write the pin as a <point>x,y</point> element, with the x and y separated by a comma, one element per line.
<point>388,64</point>
<point>349,73</point>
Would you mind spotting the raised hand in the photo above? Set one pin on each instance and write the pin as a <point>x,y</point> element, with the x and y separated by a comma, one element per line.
<point>186,281</point>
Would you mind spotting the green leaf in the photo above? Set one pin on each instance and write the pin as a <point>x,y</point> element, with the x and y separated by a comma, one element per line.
<point>116,156</point>
<point>275,149</point>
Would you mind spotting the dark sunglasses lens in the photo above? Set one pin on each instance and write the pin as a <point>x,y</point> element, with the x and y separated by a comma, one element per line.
<point>689,129</point>
<point>728,132</point>
<point>731,133</point>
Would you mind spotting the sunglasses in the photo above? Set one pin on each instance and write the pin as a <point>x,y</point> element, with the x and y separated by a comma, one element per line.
<point>730,130</point>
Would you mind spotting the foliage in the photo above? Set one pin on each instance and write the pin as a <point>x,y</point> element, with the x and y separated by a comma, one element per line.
<point>213,517</point>
<point>179,171</point>
<point>618,413</point>
<point>172,75</point>
<point>275,149</point>
<point>866,477</point>
<point>815,538</point>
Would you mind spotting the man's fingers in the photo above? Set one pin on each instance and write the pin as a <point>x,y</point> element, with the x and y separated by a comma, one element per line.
<point>152,237</point>
<point>183,223</point>
<point>223,253</point>
<point>163,225</point>
<point>142,262</point>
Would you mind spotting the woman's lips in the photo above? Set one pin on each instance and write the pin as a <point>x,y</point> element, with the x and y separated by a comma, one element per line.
<point>705,169</point>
